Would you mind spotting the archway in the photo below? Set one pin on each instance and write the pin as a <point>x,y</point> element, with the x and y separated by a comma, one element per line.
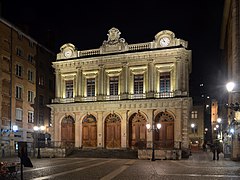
<point>68,130</point>
<point>89,131</point>
<point>137,131</point>
<point>113,131</point>
<point>164,138</point>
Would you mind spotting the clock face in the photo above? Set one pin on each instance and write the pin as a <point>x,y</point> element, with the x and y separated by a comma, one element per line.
<point>165,41</point>
<point>68,53</point>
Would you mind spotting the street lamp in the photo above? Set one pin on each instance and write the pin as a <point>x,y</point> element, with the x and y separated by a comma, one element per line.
<point>38,130</point>
<point>153,128</point>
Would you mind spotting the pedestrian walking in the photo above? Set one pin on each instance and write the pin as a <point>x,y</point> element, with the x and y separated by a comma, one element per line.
<point>216,149</point>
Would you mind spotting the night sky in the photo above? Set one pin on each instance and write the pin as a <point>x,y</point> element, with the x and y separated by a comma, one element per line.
<point>86,23</point>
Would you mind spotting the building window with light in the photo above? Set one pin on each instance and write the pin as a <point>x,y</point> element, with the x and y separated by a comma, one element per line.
<point>18,92</point>
<point>19,70</point>
<point>194,114</point>
<point>41,80</point>
<point>113,86</point>
<point>91,87</point>
<point>30,96</point>
<point>30,116</point>
<point>138,84</point>
<point>165,82</point>
<point>69,89</point>
<point>194,128</point>
<point>19,114</point>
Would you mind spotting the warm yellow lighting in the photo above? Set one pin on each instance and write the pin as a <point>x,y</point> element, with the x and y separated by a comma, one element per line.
<point>148,126</point>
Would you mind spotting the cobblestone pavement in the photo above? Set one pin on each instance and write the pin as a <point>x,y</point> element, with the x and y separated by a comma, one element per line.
<point>199,166</point>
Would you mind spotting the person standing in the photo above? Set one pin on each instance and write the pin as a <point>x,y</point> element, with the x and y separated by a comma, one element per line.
<point>216,150</point>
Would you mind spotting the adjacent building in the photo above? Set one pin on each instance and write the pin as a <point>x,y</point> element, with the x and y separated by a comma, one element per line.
<point>105,97</point>
<point>230,44</point>
<point>26,85</point>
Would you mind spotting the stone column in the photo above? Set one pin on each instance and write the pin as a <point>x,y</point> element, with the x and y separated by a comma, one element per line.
<point>124,128</point>
<point>77,130</point>
<point>100,129</point>
<point>79,82</point>
<point>100,82</point>
<point>58,83</point>
<point>150,90</point>
<point>125,79</point>
<point>178,75</point>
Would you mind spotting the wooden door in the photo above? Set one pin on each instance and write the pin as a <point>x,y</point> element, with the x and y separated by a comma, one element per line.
<point>137,132</point>
<point>67,130</point>
<point>166,133</point>
<point>89,134</point>
<point>113,135</point>
<point>89,131</point>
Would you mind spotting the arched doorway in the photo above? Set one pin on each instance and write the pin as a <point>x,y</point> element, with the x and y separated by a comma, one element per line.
<point>137,131</point>
<point>164,138</point>
<point>68,131</point>
<point>113,131</point>
<point>89,131</point>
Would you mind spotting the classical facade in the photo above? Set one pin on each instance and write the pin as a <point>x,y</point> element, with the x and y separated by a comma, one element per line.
<point>106,96</point>
<point>24,86</point>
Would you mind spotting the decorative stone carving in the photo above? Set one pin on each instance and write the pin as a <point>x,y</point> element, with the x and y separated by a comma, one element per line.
<point>114,42</point>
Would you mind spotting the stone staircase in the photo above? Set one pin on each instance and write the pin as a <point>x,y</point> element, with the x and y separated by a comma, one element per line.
<point>105,153</point>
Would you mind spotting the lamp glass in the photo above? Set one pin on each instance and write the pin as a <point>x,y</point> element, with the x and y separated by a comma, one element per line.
<point>148,126</point>
<point>230,86</point>
<point>35,128</point>
<point>159,125</point>
<point>42,128</point>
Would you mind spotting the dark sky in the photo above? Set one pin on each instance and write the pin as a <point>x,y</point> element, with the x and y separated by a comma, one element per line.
<point>86,23</point>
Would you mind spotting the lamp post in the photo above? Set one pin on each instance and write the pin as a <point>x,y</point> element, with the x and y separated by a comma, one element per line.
<point>153,128</point>
<point>219,120</point>
<point>38,130</point>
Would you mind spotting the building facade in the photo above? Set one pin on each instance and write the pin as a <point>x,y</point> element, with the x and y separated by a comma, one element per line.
<point>230,44</point>
<point>196,127</point>
<point>20,56</point>
<point>106,96</point>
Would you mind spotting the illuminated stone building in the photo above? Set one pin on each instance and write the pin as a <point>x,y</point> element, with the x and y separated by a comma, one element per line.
<point>230,44</point>
<point>106,96</point>
<point>24,77</point>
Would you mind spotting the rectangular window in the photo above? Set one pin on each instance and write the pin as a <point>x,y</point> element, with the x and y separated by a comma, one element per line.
<point>19,70</point>
<point>41,119</point>
<point>113,85</point>
<point>19,52</point>
<point>41,100</point>
<point>91,87</point>
<point>30,117</point>
<point>194,114</point>
<point>41,80</point>
<point>138,84</point>
<point>30,58</point>
<point>19,114</point>
<point>18,92</point>
<point>30,96</point>
<point>69,89</point>
<point>165,82</point>
<point>30,75</point>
